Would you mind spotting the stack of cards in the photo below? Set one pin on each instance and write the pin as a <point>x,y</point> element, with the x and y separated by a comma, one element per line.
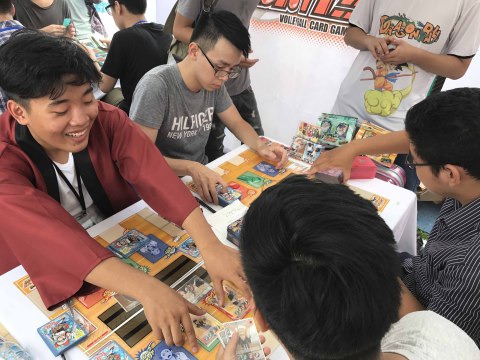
<point>235,305</point>
<point>206,330</point>
<point>228,197</point>
<point>330,176</point>
<point>62,333</point>
<point>233,231</point>
<point>248,344</point>
<point>111,350</point>
<point>153,249</point>
<point>128,243</point>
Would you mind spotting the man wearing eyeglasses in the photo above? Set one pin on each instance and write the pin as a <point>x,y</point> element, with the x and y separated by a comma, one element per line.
<point>240,91</point>
<point>441,140</point>
<point>174,104</point>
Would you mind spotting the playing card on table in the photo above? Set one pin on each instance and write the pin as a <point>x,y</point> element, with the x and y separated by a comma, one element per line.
<point>128,243</point>
<point>248,344</point>
<point>153,249</point>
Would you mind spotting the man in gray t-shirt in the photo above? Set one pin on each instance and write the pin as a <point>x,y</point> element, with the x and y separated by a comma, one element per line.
<point>239,89</point>
<point>48,16</point>
<point>175,104</point>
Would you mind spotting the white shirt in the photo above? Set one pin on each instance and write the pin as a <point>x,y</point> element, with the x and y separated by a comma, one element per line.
<point>425,335</point>
<point>68,199</point>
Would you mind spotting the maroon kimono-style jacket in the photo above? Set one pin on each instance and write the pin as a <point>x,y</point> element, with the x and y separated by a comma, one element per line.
<point>119,166</point>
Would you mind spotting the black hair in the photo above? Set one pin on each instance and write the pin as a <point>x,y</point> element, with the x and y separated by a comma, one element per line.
<point>5,6</point>
<point>323,269</point>
<point>137,7</point>
<point>34,64</point>
<point>445,128</point>
<point>211,26</point>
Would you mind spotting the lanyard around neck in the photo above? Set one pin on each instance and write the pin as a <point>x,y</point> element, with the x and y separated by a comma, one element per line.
<point>140,22</point>
<point>79,194</point>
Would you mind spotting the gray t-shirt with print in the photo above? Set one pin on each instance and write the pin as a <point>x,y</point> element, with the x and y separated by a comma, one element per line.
<point>244,10</point>
<point>183,118</point>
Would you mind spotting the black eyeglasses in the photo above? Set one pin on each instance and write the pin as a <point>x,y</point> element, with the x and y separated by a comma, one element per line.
<point>411,164</point>
<point>108,9</point>
<point>221,73</point>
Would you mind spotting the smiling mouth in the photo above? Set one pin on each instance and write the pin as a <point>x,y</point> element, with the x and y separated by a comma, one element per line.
<point>76,134</point>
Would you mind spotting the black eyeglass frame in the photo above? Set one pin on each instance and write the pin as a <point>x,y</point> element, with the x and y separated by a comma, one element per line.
<point>221,73</point>
<point>411,164</point>
<point>108,9</point>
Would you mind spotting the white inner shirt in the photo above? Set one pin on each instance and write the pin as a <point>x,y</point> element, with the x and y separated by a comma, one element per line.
<point>68,199</point>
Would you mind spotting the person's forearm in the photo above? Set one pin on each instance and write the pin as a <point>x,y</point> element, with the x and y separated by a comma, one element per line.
<point>448,66</point>
<point>356,38</point>
<point>183,34</point>
<point>200,231</point>
<point>396,142</point>
<point>181,167</point>
<point>245,133</point>
<point>107,274</point>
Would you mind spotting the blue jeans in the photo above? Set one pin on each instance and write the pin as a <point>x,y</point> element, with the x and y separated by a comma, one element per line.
<point>412,179</point>
<point>246,105</point>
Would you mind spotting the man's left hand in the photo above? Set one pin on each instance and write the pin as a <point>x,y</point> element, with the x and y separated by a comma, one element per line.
<point>403,52</point>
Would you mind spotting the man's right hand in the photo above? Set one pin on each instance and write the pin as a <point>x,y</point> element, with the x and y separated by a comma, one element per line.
<point>167,312</point>
<point>378,46</point>
<point>206,181</point>
<point>341,157</point>
<point>57,30</point>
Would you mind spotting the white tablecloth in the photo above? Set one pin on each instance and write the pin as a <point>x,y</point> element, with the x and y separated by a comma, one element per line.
<point>22,318</point>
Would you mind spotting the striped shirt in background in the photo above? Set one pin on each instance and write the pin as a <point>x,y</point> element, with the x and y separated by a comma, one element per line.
<point>445,276</point>
<point>7,28</point>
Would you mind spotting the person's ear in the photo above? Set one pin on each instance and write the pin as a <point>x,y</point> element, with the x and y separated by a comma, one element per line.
<point>193,50</point>
<point>18,112</point>
<point>453,174</point>
<point>13,10</point>
<point>118,7</point>
<point>260,321</point>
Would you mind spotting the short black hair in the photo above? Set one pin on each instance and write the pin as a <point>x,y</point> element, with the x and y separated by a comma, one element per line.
<point>5,6</point>
<point>34,64</point>
<point>211,26</point>
<point>137,7</point>
<point>445,129</point>
<point>323,269</point>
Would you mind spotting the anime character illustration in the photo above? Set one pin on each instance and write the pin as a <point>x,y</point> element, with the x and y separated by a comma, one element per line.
<point>384,99</point>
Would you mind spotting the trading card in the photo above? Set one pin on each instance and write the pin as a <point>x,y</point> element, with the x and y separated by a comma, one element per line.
<point>126,302</point>
<point>164,352</point>
<point>128,243</point>
<point>66,22</point>
<point>235,305</point>
<point>312,152</point>
<point>246,192</point>
<point>267,169</point>
<point>228,197</point>
<point>189,247</point>
<point>336,129</point>
<point>233,231</point>
<point>248,344</point>
<point>61,333</point>
<point>83,322</point>
<point>153,249</point>
<point>297,149</point>
<point>254,180</point>
<point>91,299</point>
<point>136,265</point>
<point>111,350</point>
<point>206,329</point>
<point>308,132</point>
<point>194,289</point>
